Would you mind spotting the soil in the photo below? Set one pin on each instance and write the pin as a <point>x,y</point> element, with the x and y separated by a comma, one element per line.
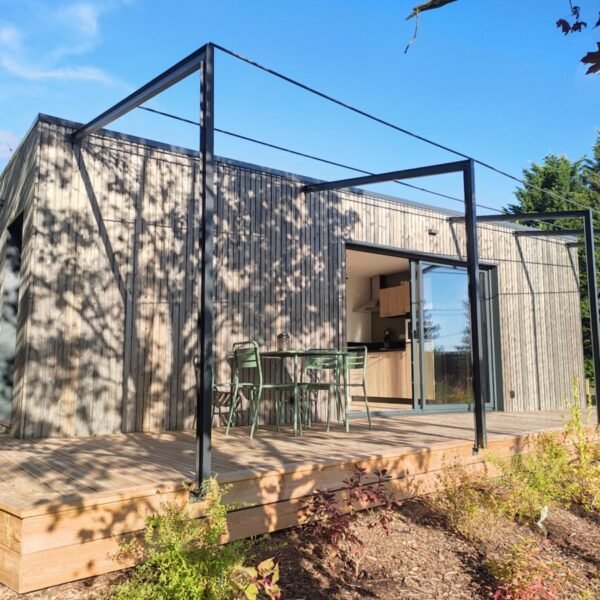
<point>419,558</point>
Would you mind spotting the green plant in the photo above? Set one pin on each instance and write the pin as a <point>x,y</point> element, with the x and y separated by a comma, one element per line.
<point>585,466</point>
<point>464,499</point>
<point>183,558</point>
<point>560,469</point>
<point>523,573</point>
<point>261,580</point>
<point>529,483</point>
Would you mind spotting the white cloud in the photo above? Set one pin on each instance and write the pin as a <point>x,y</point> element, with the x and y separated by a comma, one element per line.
<point>74,29</point>
<point>8,143</point>
<point>81,73</point>
<point>10,36</point>
<point>82,18</point>
<point>79,27</point>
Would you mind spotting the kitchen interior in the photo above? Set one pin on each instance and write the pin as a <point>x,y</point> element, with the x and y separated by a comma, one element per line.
<point>378,317</point>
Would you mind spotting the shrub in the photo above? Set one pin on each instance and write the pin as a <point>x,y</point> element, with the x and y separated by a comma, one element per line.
<point>560,469</point>
<point>530,483</point>
<point>585,467</point>
<point>330,524</point>
<point>523,573</point>
<point>462,498</point>
<point>182,558</point>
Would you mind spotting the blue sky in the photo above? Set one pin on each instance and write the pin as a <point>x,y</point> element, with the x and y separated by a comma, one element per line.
<point>494,79</point>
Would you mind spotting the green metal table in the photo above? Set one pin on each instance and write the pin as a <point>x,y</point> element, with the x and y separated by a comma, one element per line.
<point>296,355</point>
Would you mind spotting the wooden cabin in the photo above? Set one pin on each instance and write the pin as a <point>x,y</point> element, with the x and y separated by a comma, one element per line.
<point>99,251</point>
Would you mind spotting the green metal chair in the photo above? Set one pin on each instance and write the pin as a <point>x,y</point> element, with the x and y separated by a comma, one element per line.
<point>221,391</point>
<point>322,372</point>
<point>246,359</point>
<point>355,359</point>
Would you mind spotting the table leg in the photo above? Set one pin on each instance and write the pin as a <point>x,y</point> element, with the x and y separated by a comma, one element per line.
<point>297,416</point>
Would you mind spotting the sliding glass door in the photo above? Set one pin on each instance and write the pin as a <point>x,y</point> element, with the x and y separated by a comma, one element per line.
<point>442,370</point>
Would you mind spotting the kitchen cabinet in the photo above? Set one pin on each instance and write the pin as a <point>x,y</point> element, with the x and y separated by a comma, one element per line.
<point>394,301</point>
<point>389,374</point>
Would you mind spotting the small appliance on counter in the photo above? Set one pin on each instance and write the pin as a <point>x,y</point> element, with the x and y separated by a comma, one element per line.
<point>387,338</point>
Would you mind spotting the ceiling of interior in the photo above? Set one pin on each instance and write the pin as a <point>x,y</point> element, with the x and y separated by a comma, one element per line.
<point>369,264</point>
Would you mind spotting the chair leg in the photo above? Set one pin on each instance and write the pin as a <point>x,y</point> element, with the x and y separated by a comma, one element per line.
<point>346,400</point>
<point>233,407</point>
<point>343,409</point>
<point>277,400</point>
<point>364,386</point>
<point>257,396</point>
<point>297,411</point>
<point>307,410</point>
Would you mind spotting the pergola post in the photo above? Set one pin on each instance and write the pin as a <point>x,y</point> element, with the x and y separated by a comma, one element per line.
<point>205,312</point>
<point>467,168</point>
<point>590,262</point>
<point>477,363</point>
<point>590,255</point>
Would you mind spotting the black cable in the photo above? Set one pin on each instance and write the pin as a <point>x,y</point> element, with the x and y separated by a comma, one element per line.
<point>324,160</point>
<point>312,157</point>
<point>398,128</point>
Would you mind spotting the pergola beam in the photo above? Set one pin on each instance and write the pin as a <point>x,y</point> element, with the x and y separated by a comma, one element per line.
<point>441,169</point>
<point>165,80</point>
<point>204,389</point>
<point>590,255</point>
<point>201,60</point>
<point>548,232</point>
<point>534,216</point>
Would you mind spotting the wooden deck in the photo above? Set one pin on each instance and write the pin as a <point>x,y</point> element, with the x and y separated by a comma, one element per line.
<point>65,504</point>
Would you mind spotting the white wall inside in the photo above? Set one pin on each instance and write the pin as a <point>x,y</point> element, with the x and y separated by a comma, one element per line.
<point>358,293</point>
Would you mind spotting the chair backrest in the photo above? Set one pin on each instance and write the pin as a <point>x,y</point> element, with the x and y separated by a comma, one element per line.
<point>356,357</point>
<point>246,355</point>
<point>321,362</point>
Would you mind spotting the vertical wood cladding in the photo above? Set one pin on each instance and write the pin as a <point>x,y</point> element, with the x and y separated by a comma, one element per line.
<point>109,334</point>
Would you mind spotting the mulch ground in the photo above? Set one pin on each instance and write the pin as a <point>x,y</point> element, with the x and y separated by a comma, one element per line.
<point>420,558</point>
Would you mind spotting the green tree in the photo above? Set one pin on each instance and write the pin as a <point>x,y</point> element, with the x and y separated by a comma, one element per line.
<point>578,182</point>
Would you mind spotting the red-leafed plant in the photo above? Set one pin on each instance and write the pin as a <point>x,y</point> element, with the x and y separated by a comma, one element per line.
<point>330,517</point>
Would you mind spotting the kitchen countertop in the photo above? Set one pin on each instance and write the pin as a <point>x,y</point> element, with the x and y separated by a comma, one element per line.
<point>379,347</point>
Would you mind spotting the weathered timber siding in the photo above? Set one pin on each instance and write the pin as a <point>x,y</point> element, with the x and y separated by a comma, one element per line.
<point>280,265</point>
<point>114,243</point>
<point>18,192</point>
<point>113,278</point>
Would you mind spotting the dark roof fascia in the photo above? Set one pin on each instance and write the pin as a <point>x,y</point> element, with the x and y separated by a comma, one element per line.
<point>13,156</point>
<point>242,164</point>
<point>254,167</point>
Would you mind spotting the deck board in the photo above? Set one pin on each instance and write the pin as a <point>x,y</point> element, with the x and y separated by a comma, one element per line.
<point>45,470</point>
<point>67,503</point>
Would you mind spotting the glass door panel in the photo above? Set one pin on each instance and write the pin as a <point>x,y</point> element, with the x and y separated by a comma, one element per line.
<point>446,347</point>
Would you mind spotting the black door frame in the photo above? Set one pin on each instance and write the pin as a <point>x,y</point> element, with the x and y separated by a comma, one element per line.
<point>494,373</point>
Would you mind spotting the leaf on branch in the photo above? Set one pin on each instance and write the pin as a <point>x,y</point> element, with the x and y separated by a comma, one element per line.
<point>592,59</point>
<point>428,6</point>
<point>578,26</point>
<point>576,11</point>
<point>563,24</point>
<point>598,21</point>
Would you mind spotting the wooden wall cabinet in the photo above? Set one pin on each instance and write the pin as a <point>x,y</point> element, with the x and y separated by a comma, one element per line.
<point>394,301</point>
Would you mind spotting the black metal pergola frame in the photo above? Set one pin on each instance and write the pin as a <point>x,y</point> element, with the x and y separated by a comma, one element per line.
<point>467,169</point>
<point>202,60</point>
<point>586,215</point>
